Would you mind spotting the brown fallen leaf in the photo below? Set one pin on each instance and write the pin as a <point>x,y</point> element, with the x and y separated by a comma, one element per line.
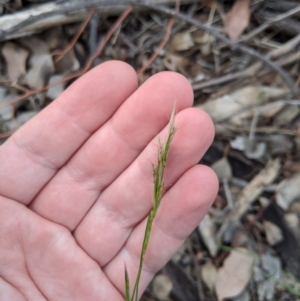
<point>237,107</point>
<point>175,62</point>
<point>162,286</point>
<point>288,191</point>
<point>222,168</point>
<point>6,112</point>
<point>237,19</point>
<point>249,194</point>
<point>15,57</point>
<point>209,275</point>
<point>234,275</point>
<point>207,229</point>
<point>40,62</point>
<point>182,41</point>
<point>273,233</point>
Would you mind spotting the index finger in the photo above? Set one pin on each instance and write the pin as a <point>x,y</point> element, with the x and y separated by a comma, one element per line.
<point>31,157</point>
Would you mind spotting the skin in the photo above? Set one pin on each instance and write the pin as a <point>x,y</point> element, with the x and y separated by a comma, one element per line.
<point>76,186</point>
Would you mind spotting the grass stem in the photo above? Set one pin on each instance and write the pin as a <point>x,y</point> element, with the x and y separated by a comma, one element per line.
<point>158,190</point>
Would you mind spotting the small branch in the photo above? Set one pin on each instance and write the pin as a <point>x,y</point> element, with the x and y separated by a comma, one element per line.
<point>162,43</point>
<point>76,37</point>
<point>78,73</point>
<point>55,13</point>
<point>234,46</point>
<point>252,70</point>
<point>93,32</point>
<point>286,48</point>
<point>267,24</point>
<point>107,37</point>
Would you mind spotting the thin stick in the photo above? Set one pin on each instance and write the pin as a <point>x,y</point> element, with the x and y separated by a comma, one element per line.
<point>234,46</point>
<point>109,34</point>
<point>78,73</point>
<point>162,43</point>
<point>35,19</point>
<point>267,24</point>
<point>76,37</point>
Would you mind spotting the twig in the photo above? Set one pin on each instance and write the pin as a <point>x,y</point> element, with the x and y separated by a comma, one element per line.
<point>156,38</point>
<point>56,13</point>
<point>288,26</point>
<point>162,43</point>
<point>76,37</point>
<point>249,194</point>
<point>234,46</point>
<point>287,47</point>
<point>253,69</point>
<point>78,73</point>
<point>228,77</point>
<point>93,34</point>
<point>266,25</point>
<point>197,267</point>
<point>109,34</point>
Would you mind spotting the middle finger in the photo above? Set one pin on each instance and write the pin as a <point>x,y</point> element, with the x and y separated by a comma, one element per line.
<point>71,193</point>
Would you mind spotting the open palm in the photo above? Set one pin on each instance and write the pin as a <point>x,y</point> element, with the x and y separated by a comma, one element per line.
<point>76,187</point>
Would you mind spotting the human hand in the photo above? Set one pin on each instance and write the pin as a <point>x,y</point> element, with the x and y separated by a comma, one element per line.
<point>76,187</point>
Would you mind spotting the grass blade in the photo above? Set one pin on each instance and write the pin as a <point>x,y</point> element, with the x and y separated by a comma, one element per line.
<point>127,286</point>
<point>158,190</point>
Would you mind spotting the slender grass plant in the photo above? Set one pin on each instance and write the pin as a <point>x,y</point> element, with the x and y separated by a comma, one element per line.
<point>158,190</point>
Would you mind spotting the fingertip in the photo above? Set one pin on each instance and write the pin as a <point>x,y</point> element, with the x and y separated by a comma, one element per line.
<point>175,85</point>
<point>188,200</point>
<point>209,124</point>
<point>116,76</point>
<point>118,69</point>
<point>207,181</point>
<point>201,130</point>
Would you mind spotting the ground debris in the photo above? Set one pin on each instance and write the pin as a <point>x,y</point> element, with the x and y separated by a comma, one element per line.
<point>242,60</point>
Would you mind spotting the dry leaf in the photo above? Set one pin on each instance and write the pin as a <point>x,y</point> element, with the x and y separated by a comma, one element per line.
<point>182,41</point>
<point>222,168</point>
<point>176,62</point>
<point>237,19</point>
<point>288,192</point>
<point>7,112</point>
<point>227,106</point>
<point>254,149</point>
<point>162,286</point>
<point>55,91</point>
<point>209,275</point>
<point>292,220</point>
<point>273,233</point>
<point>286,115</point>
<point>239,143</point>
<point>204,40</point>
<point>234,275</point>
<point>15,57</point>
<point>251,148</point>
<point>266,288</point>
<point>249,194</point>
<point>207,229</point>
<point>41,64</point>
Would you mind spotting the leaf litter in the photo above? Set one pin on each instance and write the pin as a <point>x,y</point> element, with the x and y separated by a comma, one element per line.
<point>256,151</point>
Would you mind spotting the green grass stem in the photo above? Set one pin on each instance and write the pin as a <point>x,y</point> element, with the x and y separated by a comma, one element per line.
<point>158,190</point>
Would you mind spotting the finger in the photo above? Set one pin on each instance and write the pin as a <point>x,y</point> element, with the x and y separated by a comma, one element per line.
<point>71,193</point>
<point>181,210</point>
<point>9,292</point>
<point>43,261</point>
<point>30,158</point>
<point>129,199</point>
